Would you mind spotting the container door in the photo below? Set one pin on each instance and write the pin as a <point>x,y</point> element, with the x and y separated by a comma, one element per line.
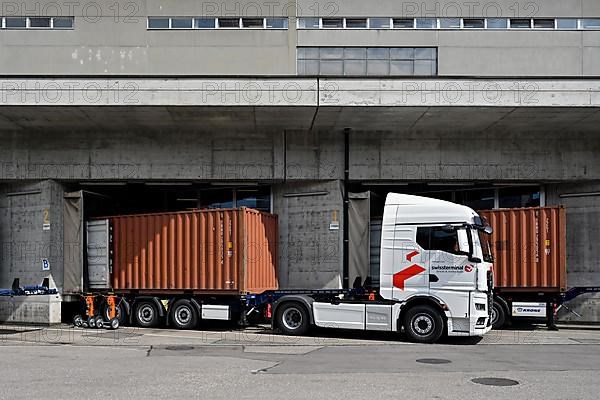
<point>98,254</point>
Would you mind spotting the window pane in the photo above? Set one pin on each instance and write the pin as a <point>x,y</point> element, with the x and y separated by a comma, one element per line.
<point>300,67</point>
<point>379,23</point>
<point>519,23</point>
<point>473,23</point>
<point>356,22</point>
<point>445,241</point>
<point>229,22</point>
<point>277,23</point>
<point>38,22</point>
<point>424,67</point>
<point>476,199</point>
<point>355,53</point>
<point>332,53</point>
<point>403,23</point>
<point>181,23</point>
<point>378,67</point>
<point>63,22</point>
<point>543,23</point>
<point>204,23</point>
<point>308,23</point>
<point>355,67</point>
<point>311,67</point>
<point>497,23</point>
<point>423,237</point>
<point>450,23</point>
<point>426,23</point>
<point>378,53</point>
<point>158,23</point>
<point>425,53</point>
<point>401,68</point>
<point>402,53</point>
<point>329,67</point>
<point>566,23</point>
<point>15,22</point>
<point>311,52</point>
<point>259,198</point>
<point>252,22</point>
<point>333,22</point>
<point>590,23</point>
<point>519,197</point>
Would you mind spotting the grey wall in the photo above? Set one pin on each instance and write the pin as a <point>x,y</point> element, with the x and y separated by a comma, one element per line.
<point>24,241</point>
<point>110,39</point>
<point>310,254</point>
<point>218,155</point>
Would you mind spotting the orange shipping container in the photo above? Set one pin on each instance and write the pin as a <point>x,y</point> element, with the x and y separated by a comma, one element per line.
<point>529,247</point>
<point>204,251</point>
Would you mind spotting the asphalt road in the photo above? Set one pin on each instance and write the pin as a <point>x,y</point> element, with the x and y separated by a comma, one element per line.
<point>132,363</point>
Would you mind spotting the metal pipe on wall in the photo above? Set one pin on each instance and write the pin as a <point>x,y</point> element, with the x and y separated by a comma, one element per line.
<point>346,253</point>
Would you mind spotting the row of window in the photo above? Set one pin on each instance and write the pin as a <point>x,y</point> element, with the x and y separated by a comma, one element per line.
<point>364,61</point>
<point>216,23</point>
<point>448,23</point>
<point>37,22</point>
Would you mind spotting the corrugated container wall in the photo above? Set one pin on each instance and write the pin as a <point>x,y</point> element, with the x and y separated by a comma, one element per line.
<point>529,246</point>
<point>233,250</point>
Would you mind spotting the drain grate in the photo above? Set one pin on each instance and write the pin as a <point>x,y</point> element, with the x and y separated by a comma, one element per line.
<point>495,381</point>
<point>433,361</point>
<point>179,348</point>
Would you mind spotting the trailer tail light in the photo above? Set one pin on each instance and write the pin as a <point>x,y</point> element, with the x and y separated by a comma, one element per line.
<point>268,311</point>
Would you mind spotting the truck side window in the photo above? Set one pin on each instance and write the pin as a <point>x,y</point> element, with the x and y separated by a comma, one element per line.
<point>434,238</point>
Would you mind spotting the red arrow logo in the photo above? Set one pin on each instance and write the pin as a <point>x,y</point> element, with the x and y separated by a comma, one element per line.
<point>410,255</point>
<point>407,273</point>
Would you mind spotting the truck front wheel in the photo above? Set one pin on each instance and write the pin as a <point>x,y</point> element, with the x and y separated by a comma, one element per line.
<point>292,318</point>
<point>423,324</point>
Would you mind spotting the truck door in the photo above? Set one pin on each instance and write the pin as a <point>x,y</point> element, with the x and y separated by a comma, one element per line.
<point>449,265</point>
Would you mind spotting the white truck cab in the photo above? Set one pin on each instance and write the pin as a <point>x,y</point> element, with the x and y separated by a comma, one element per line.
<point>434,278</point>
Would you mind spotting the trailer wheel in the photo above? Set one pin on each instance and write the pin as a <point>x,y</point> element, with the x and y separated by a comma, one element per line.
<point>292,318</point>
<point>99,322</point>
<point>423,324</point>
<point>121,313</point>
<point>146,314</point>
<point>498,315</point>
<point>78,320</point>
<point>184,315</point>
<point>91,322</point>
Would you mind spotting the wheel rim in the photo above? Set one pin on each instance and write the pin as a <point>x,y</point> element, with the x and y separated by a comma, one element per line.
<point>117,312</point>
<point>292,318</point>
<point>146,314</point>
<point>422,324</point>
<point>183,315</point>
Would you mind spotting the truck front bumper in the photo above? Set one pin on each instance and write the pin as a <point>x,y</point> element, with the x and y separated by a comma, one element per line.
<point>477,324</point>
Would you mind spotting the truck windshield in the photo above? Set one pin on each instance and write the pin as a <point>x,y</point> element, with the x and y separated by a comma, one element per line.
<point>486,247</point>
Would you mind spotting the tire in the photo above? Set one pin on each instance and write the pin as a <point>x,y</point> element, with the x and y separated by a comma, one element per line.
<point>91,322</point>
<point>121,313</point>
<point>498,316</point>
<point>292,318</point>
<point>78,321</point>
<point>146,314</point>
<point>99,322</point>
<point>114,323</point>
<point>423,324</point>
<point>184,315</point>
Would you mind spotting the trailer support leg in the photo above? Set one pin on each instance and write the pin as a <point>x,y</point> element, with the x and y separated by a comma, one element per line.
<point>551,316</point>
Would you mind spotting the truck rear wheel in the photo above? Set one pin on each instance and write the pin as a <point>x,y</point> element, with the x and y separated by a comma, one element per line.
<point>292,318</point>
<point>498,315</point>
<point>184,315</point>
<point>146,314</point>
<point>423,324</point>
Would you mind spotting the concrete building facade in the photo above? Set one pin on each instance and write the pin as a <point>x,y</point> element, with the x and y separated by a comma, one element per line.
<point>151,106</point>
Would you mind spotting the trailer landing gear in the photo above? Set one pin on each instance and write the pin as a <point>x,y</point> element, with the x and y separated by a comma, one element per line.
<point>92,319</point>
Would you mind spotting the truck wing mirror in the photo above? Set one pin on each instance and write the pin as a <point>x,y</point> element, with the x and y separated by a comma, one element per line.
<point>488,229</point>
